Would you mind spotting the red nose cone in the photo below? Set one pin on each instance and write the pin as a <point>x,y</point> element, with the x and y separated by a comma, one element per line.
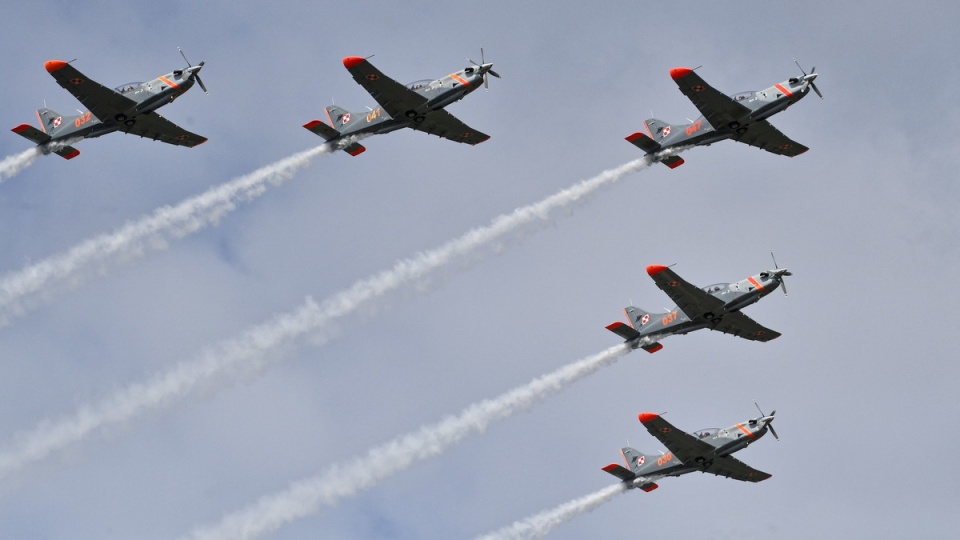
<point>351,61</point>
<point>655,269</point>
<point>647,417</point>
<point>53,65</point>
<point>676,73</point>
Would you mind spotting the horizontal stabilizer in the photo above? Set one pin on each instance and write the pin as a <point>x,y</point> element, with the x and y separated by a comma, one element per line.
<point>620,471</point>
<point>644,143</point>
<point>29,132</point>
<point>354,149</point>
<point>623,330</point>
<point>652,347</point>
<point>672,161</point>
<point>67,152</point>
<point>322,130</point>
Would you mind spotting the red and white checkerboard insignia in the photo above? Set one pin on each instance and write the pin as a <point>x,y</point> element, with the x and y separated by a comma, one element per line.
<point>640,460</point>
<point>76,80</point>
<point>698,88</point>
<point>645,319</point>
<point>372,77</point>
<point>56,121</point>
<point>674,283</point>
<point>182,137</point>
<point>666,131</point>
<point>345,118</point>
<point>664,430</point>
<point>786,146</point>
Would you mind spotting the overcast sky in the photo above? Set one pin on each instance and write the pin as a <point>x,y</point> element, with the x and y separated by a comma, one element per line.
<point>863,378</point>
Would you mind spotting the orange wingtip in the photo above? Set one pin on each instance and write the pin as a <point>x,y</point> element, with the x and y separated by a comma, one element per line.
<point>635,136</point>
<point>655,348</point>
<point>650,488</point>
<point>72,155</point>
<point>359,151</point>
<point>675,164</point>
<point>53,65</point>
<point>676,73</point>
<point>351,61</point>
<point>313,124</point>
<point>614,326</point>
<point>647,417</point>
<point>20,128</point>
<point>655,269</point>
<point>611,467</point>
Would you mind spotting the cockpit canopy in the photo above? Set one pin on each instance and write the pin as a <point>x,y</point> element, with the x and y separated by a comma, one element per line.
<point>128,87</point>
<point>416,85</point>
<point>716,287</point>
<point>706,433</point>
<point>743,96</point>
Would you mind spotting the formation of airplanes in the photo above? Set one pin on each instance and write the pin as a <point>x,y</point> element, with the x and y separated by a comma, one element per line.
<point>421,106</point>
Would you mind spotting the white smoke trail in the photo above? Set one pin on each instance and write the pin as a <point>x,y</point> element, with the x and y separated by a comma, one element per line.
<point>539,525</point>
<point>252,350</point>
<point>150,232</point>
<point>12,165</point>
<point>306,496</point>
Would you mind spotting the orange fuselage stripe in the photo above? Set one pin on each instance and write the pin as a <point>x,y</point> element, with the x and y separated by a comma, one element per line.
<point>745,430</point>
<point>755,283</point>
<point>458,79</point>
<point>169,82</point>
<point>784,90</point>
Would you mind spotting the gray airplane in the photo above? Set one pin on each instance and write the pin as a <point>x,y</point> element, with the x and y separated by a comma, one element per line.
<point>741,117</point>
<point>128,108</point>
<point>716,307</point>
<point>706,450</point>
<point>418,105</point>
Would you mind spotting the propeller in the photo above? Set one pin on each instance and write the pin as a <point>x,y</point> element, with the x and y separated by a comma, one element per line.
<point>780,273</point>
<point>484,68</point>
<point>809,78</point>
<point>768,420</point>
<point>194,70</point>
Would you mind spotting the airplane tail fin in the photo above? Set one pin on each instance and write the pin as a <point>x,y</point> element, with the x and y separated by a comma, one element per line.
<point>41,138</point>
<point>637,318</point>
<point>52,122</point>
<point>651,141</point>
<point>636,461</point>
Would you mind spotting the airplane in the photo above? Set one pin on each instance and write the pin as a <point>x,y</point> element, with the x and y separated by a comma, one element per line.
<point>706,450</point>
<point>741,117</point>
<point>418,105</point>
<point>128,108</point>
<point>716,307</point>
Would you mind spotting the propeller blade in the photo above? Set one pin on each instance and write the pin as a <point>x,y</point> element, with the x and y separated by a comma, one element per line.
<point>783,285</point>
<point>801,67</point>
<point>497,75</point>
<point>773,431</point>
<point>817,90</point>
<point>184,57</point>
<point>200,82</point>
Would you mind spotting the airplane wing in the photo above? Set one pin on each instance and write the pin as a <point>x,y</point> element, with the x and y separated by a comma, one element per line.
<point>738,324</point>
<point>394,97</point>
<point>693,300</point>
<point>684,446</point>
<point>153,126</point>
<point>766,137</point>
<point>717,108</point>
<point>443,124</point>
<point>732,467</point>
<point>103,102</point>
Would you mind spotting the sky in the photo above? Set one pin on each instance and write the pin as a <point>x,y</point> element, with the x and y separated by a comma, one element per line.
<point>863,378</point>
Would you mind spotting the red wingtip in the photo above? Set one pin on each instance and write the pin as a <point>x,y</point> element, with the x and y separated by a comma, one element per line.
<point>53,65</point>
<point>20,128</point>
<point>655,269</point>
<point>675,164</point>
<point>351,61</point>
<point>611,467</point>
<point>359,151</point>
<point>635,136</point>
<point>313,124</point>
<point>655,348</point>
<point>647,417</point>
<point>614,326</point>
<point>676,73</point>
<point>650,488</point>
<point>72,155</point>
